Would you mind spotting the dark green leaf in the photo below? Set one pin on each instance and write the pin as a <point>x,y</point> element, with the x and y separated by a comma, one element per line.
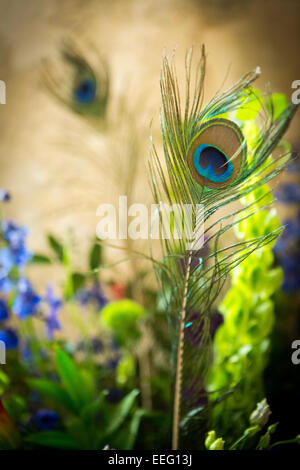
<point>40,259</point>
<point>78,281</point>
<point>56,439</point>
<point>133,428</point>
<point>72,380</point>
<point>121,411</point>
<point>56,246</point>
<point>95,256</point>
<point>90,411</point>
<point>53,392</point>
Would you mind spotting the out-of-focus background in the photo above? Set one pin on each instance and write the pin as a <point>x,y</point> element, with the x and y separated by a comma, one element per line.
<point>55,164</point>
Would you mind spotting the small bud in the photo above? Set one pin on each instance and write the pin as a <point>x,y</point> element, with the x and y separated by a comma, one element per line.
<point>218,444</point>
<point>210,439</point>
<point>261,414</point>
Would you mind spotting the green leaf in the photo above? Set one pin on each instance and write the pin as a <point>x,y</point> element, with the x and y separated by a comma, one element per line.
<point>121,411</point>
<point>40,259</point>
<point>53,392</point>
<point>122,317</point>
<point>250,105</point>
<point>95,256</point>
<point>276,104</point>
<point>56,439</point>
<point>56,246</point>
<point>125,369</point>
<point>133,428</point>
<point>16,407</point>
<point>78,280</point>
<point>90,410</point>
<point>72,379</point>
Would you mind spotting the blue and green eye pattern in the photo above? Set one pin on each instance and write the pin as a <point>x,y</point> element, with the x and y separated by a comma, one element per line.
<point>211,163</point>
<point>215,155</point>
<point>88,91</point>
<point>85,90</point>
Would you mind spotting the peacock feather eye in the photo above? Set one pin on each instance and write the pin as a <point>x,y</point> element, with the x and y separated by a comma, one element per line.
<point>211,163</point>
<point>216,153</point>
<point>85,90</point>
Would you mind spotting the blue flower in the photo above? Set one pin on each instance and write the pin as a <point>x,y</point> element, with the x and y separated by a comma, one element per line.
<point>46,420</point>
<point>4,195</point>
<point>55,304</point>
<point>26,301</point>
<point>6,285</point>
<point>10,338</point>
<point>26,353</point>
<point>3,310</point>
<point>6,261</point>
<point>16,236</point>
<point>13,233</point>
<point>288,193</point>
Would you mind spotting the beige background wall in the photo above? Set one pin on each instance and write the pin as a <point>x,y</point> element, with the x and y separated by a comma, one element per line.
<point>54,164</point>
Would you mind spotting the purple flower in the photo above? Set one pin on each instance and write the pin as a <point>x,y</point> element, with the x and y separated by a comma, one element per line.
<point>46,420</point>
<point>287,251</point>
<point>112,362</point>
<point>3,310</point>
<point>291,270</point>
<point>97,345</point>
<point>54,304</point>
<point>10,338</point>
<point>92,296</point>
<point>26,301</point>
<point>4,195</point>
<point>288,193</point>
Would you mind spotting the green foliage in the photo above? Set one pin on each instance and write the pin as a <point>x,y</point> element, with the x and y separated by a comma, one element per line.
<point>276,104</point>
<point>125,369</point>
<point>56,246</point>
<point>255,436</point>
<point>89,421</point>
<point>242,343</point>
<point>56,439</point>
<point>108,384</point>
<point>95,256</point>
<point>212,442</point>
<point>123,317</point>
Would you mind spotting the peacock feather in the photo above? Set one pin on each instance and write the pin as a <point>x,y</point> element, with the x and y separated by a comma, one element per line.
<point>205,162</point>
<point>81,84</point>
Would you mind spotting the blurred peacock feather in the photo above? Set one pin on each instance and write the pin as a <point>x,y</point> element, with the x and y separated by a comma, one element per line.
<point>84,86</point>
<point>80,78</point>
<point>205,162</point>
<point>110,140</point>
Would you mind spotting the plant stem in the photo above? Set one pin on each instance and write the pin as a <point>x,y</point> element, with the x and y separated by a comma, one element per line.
<point>178,380</point>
